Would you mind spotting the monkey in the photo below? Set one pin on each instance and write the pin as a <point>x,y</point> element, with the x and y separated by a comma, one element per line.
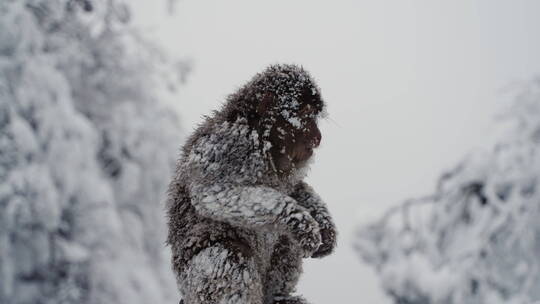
<point>240,216</point>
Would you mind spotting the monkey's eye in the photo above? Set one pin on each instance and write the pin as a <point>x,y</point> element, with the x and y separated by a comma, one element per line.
<point>307,112</point>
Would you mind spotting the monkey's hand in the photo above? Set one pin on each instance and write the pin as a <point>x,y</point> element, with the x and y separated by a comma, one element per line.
<point>305,230</point>
<point>307,198</point>
<point>329,239</point>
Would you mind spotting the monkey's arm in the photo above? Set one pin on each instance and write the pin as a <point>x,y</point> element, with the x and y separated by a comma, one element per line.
<point>307,198</point>
<point>256,206</point>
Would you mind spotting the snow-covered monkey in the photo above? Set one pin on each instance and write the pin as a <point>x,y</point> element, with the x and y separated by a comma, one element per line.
<point>240,216</point>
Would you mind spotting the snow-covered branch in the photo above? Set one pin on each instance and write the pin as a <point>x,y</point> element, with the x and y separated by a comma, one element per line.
<point>477,238</point>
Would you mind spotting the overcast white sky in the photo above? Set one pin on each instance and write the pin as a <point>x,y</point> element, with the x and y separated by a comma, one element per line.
<point>411,87</point>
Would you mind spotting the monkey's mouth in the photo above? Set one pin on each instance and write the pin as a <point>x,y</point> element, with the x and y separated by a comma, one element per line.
<point>302,155</point>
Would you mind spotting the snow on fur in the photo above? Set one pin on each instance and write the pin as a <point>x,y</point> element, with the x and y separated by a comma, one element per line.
<point>237,229</point>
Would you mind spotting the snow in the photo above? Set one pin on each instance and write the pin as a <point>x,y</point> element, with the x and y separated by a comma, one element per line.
<point>87,150</point>
<point>476,239</point>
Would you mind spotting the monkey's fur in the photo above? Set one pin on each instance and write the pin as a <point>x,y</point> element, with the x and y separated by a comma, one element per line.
<point>240,219</point>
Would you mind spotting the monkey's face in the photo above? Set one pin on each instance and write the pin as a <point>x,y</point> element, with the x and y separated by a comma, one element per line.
<point>293,136</point>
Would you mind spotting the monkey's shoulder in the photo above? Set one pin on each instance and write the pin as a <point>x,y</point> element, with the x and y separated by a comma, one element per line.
<point>224,151</point>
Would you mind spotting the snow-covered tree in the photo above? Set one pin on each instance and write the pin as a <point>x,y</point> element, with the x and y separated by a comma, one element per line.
<point>477,238</point>
<point>88,137</point>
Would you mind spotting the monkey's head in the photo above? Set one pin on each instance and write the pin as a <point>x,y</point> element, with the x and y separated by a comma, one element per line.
<point>282,104</point>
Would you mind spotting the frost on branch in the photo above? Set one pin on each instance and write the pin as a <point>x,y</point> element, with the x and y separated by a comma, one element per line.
<point>86,147</point>
<point>477,238</point>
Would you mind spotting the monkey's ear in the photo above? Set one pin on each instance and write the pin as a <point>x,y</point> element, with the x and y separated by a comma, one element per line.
<point>266,103</point>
